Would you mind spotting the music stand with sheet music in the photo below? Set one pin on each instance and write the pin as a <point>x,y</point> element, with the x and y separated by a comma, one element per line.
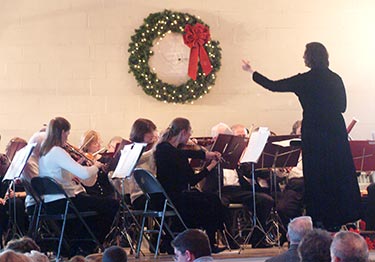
<point>253,151</point>
<point>231,149</point>
<point>363,152</point>
<point>279,152</point>
<point>130,155</point>
<point>13,173</point>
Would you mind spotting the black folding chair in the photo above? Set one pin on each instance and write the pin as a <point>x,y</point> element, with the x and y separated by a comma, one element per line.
<point>48,186</point>
<point>32,217</point>
<point>149,185</point>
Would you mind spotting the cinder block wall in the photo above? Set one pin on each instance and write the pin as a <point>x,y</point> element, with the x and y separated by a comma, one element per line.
<point>69,58</point>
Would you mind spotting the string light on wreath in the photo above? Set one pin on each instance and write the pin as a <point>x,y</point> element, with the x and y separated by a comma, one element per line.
<point>155,27</point>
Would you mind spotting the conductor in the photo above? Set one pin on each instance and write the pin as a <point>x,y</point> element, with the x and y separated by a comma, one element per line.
<point>331,189</point>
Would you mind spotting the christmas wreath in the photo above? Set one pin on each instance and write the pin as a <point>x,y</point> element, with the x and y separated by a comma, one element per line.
<point>204,59</point>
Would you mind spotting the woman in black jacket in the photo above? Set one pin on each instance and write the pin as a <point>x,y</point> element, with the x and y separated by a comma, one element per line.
<point>331,189</point>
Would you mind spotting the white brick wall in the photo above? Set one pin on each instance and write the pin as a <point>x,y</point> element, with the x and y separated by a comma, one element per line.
<point>69,58</point>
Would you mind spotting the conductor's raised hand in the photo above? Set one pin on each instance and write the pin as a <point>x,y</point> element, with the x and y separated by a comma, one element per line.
<point>246,66</point>
<point>213,155</point>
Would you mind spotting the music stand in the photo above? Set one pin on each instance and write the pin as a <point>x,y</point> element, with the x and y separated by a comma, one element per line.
<point>130,155</point>
<point>363,152</point>
<point>350,127</point>
<point>13,173</point>
<point>253,152</point>
<point>279,152</point>
<point>231,149</point>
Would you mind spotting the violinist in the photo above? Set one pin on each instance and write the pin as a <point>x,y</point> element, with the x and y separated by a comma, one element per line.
<point>55,162</point>
<point>7,196</point>
<point>142,131</point>
<point>90,144</point>
<point>198,209</point>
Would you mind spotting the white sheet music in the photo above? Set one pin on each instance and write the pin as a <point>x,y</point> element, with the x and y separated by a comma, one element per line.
<point>19,162</point>
<point>286,143</point>
<point>128,160</point>
<point>256,145</point>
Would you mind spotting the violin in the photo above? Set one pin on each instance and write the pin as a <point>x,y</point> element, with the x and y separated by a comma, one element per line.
<point>77,154</point>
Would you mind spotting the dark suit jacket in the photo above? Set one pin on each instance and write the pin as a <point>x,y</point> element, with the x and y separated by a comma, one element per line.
<point>289,256</point>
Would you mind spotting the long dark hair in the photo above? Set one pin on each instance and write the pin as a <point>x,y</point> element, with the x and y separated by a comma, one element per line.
<point>316,55</point>
<point>140,127</point>
<point>177,125</point>
<point>54,130</point>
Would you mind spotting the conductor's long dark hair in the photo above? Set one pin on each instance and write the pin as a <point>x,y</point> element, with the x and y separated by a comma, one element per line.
<point>316,55</point>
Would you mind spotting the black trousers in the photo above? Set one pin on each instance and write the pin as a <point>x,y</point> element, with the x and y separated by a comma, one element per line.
<point>201,210</point>
<point>100,225</point>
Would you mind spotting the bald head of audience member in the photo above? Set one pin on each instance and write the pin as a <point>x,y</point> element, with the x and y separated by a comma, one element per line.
<point>315,246</point>
<point>220,128</point>
<point>298,228</point>
<point>349,246</point>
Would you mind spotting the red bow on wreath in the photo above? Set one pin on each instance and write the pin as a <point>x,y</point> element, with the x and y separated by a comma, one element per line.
<point>195,37</point>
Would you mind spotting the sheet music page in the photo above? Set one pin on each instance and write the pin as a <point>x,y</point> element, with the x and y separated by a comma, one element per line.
<point>19,162</point>
<point>286,143</point>
<point>128,160</point>
<point>256,145</point>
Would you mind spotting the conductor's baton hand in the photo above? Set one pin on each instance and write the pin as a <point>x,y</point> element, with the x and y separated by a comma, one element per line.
<point>246,66</point>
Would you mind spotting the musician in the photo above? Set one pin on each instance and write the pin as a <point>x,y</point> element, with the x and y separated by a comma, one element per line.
<point>112,144</point>
<point>55,162</point>
<point>142,131</point>
<point>236,184</point>
<point>4,165</point>
<point>198,209</point>
<point>290,202</point>
<point>91,143</point>
<point>7,196</point>
<point>332,193</point>
<point>32,167</point>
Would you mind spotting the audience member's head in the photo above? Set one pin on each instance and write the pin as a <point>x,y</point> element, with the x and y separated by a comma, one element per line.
<point>77,259</point>
<point>37,256</point>
<point>298,228</point>
<point>315,246</point>
<point>22,245</point>
<point>97,257</point>
<point>191,244</point>
<point>349,246</point>
<point>11,256</point>
<point>114,254</point>
<point>240,130</point>
<point>220,128</point>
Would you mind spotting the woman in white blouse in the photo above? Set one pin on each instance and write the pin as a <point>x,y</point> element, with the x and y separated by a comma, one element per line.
<point>55,162</point>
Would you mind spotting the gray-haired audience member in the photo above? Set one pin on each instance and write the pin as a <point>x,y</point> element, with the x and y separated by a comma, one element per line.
<point>114,254</point>
<point>297,229</point>
<point>315,246</point>
<point>349,246</point>
<point>192,245</point>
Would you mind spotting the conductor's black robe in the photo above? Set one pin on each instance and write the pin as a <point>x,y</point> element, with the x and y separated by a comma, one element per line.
<point>331,189</point>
